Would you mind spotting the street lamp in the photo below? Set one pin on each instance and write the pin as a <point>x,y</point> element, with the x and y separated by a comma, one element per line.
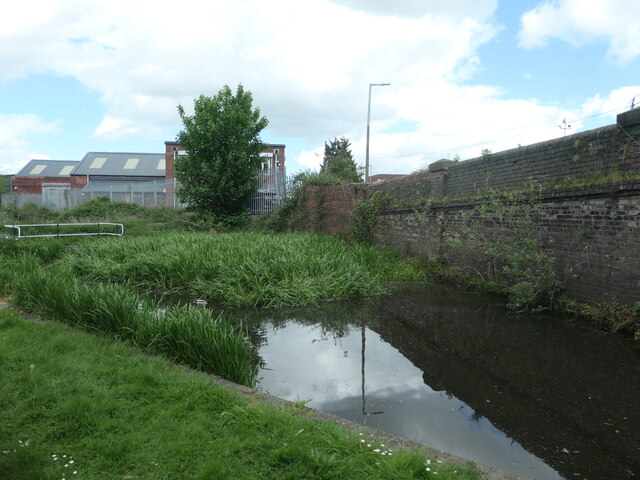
<point>366,163</point>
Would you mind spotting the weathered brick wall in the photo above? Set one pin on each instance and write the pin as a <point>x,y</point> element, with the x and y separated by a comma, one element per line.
<point>592,232</point>
<point>329,209</point>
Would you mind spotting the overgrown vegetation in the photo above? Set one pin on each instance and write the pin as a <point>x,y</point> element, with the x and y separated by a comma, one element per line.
<point>81,406</point>
<point>182,333</point>
<point>501,241</point>
<point>365,216</point>
<point>138,220</point>
<point>243,268</point>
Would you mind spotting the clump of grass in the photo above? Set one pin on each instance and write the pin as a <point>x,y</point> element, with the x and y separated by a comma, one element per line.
<point>244,269</point>
<point>183,333</point>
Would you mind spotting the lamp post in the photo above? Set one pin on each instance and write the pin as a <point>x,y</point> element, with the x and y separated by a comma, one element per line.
<point>366,163</point>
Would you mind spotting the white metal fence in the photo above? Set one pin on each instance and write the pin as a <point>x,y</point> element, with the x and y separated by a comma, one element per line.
<point>61,198</point>
<point>273,186</point>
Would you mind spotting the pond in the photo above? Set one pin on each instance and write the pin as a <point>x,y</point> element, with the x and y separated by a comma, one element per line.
<point>534,395</point>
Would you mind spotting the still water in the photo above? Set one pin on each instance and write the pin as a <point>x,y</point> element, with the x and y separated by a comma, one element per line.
<point>536,396</point>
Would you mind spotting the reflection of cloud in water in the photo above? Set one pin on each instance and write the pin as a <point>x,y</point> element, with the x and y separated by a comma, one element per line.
<point>321,370</point>
<point>303,365</point>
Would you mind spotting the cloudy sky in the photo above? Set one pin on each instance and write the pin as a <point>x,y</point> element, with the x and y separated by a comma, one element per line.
<point>92,75</point>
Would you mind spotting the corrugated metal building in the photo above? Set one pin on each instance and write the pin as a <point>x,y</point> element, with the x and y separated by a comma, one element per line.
<point>119,166</point>
<point>42,174</point>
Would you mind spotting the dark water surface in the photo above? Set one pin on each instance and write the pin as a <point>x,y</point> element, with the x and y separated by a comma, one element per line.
<point>541,397</point>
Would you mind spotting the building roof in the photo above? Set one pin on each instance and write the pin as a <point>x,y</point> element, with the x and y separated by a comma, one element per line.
<point>48,168</point>
<point>122,164</point>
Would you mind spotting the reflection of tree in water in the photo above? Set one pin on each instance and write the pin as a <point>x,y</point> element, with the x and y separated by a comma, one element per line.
<point>335,320</point>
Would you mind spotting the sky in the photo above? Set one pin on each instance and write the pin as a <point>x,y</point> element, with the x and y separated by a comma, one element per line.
<point>465,75</point>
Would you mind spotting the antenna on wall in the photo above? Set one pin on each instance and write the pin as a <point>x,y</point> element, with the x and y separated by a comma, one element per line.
<point>565,126</point>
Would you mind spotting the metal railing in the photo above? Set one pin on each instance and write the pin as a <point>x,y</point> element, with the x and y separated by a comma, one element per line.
<point>273,186</point>
<point>62,229</point>
<point>61,198</point>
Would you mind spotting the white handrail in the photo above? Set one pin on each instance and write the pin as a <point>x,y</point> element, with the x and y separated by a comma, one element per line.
<point>18,229</point>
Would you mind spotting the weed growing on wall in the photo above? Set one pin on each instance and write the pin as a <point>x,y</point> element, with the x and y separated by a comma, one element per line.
<point>365,216</point>
<point>508,253</point>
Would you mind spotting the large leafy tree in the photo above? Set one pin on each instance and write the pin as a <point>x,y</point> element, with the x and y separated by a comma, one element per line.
<point>338,160</point>
<point>222,140</point>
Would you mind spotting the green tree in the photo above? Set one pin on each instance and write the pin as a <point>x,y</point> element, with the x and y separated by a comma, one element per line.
<point>222,140</point>
<point>338,160</point>
<point>5,183</point>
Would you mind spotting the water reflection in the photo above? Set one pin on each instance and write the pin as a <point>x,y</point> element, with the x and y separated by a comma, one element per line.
<point>458,373</point>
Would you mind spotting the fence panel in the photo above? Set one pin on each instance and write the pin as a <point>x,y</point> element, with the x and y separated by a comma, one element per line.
<point>273,187</point>
<point>148,194</point>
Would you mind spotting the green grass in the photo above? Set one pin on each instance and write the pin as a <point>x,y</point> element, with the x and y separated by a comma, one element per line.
<point>118,414</point>
<point>183,333</point>
<point>243,269</point>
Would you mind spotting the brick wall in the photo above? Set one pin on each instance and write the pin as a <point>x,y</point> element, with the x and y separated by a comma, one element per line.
<point>33,185</point>
<point>592,232</point>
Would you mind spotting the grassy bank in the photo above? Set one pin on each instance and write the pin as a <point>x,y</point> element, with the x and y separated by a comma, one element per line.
<point>104,411</point>
<point>182,333</point>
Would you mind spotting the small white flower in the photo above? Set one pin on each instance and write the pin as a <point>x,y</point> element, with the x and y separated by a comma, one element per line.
<point>368,444</point>
<point>428,469</point>
<point>389,453</point>
<point>362,441</point>
<point>428,462</point>
<point>377,450</point>
<point>360,433</point>
<point>75,472</point>
<point>64,456</point>
<point>384,453</point>
<point>66,465</point>
<point>71,462</point>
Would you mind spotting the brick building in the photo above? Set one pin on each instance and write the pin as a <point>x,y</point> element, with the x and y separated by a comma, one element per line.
<point>39,175</point>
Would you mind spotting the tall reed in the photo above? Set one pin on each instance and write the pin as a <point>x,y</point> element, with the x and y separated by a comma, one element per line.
<point>183,333</point>
<point>244,268</point>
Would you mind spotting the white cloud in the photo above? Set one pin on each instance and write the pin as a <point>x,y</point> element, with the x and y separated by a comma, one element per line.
<point>615,102</point>
<point>308,65</point>
<point>582,21</point>
<point>15,149</point>
<point>413,8</point>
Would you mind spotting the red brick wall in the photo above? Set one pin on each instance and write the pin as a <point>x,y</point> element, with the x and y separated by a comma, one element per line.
<point>170,148</point>
<point>34,184</point>
<point>329,209</point>
<point>78,181</point>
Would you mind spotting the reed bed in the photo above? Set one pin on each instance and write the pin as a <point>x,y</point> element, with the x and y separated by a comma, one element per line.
<point>243,269</point>
<point>182,333</point>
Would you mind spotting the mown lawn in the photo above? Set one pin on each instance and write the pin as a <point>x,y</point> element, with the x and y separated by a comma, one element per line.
<point>76,402</point>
